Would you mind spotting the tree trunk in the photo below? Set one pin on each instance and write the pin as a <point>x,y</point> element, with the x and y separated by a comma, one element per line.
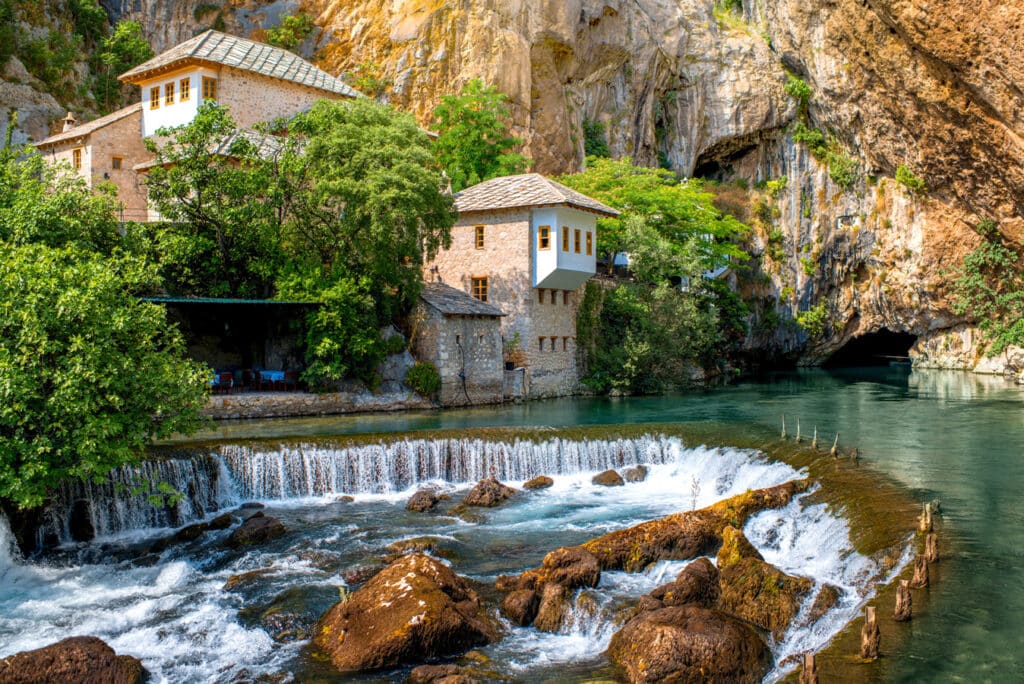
<point>903,602</point>
<point>870,636</point>
<point>920,580</point>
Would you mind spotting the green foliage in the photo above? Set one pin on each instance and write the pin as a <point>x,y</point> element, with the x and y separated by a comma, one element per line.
<point>424,379</point>
<point>682,213</point>
<point>809,266</point>
<point>52,59</point>
<point>394,345</point>
<point>222,236</point>
<point>293,30</point>
<point>367,79</point>
<point>125,48</point>
<point>989,288</point>
<point>595,140</point>
<point>842,169</point>
<point>906,178</point>
<point>812,138</point>
<point>91,374</point>
<point>89,18</point>
<point>644,339</point>
<point>204,9</point>
<point>814,320</point>
<point>473,142</point>
<point>775,187</point>
<point>798,89</point>
<point>8,31</point>
<point>729,14</point>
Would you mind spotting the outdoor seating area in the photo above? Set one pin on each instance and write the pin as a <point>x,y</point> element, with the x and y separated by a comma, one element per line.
<point>239,380</point>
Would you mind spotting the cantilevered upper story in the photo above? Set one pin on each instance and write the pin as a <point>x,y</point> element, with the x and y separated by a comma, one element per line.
<point>258,82</point>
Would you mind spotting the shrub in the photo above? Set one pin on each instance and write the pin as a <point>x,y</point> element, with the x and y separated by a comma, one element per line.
<point>808,265</point>
<point>989,288</point>
<point>292,31</point>
<point>814,320</point>
<point>394,345</point>
<point>424,379</point>
<point>841,168</point>
<point>595,144</point>
<point>775,187</point>
<point>906,178</point>
<point>798,89</point>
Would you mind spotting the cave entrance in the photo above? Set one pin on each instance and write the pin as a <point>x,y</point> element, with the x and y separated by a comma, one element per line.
<point>881,348</point>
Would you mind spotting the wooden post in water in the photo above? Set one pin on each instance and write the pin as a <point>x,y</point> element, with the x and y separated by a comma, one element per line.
<point>870,636</point>
<point>920,579</point>
<point>835,447</point>
<point>809,672</point>
<point>855,455</point>
<point>814,442</point>
<point>931,547</point>
<point>925,525</point>
<point>783,426</point>
<point>798,430</point>
<point>903,602</point>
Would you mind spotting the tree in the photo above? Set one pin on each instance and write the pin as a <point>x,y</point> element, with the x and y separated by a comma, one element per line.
<point>473,142</point>
<point>91,374</point>
<point>366,78</point>
<point>125,48</point>
<point>293,30</point>
<point>682,213</point>
<point>216,191</point>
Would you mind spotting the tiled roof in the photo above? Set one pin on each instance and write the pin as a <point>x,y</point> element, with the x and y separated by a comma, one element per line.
<point>267,146</point>
<point>94,125</point>
<point>452,302</point>
<point>527,190</point>
<point>215,47</point>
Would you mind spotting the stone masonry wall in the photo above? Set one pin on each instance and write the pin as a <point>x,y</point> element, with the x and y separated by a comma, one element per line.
<point>253,98</point>
<point>457,345</point>
<point>294,404</point>
<point>505,260</point>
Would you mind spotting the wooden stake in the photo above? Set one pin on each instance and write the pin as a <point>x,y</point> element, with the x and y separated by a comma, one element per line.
<point>931,547</point>
<point>855,455</point>
<point>783,426</point>
<point>797,430</point>
<point>925,525</point>
<point>870,636</point>
<point>809,672</point>
<point>903,602</point>
<point>814,442</point>
<point>920,579</point>
<point>835,447</point>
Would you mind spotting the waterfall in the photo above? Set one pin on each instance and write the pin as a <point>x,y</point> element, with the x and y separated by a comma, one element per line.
<point>8,546</point>
<point>228,474</point>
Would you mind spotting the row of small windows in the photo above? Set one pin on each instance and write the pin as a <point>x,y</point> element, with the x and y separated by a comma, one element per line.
<point>554,296</point>
<point>544,239</point>
<point>552,341</point>
<point>76,160</point>
<point>184,94</point>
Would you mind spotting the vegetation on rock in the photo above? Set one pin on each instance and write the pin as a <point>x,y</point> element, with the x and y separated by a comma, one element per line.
<point>424,379</point>
<point>293,30</point>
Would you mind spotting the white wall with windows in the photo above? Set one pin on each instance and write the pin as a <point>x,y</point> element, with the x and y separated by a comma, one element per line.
<point>173,99</point>
<point>570,257</point>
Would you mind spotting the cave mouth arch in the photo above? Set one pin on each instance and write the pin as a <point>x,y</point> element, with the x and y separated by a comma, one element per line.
<point>879,348</point>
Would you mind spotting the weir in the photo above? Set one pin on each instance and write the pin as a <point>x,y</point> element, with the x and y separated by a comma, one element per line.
<point>216,477</point>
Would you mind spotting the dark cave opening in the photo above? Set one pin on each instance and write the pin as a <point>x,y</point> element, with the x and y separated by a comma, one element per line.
<point>880,348</point>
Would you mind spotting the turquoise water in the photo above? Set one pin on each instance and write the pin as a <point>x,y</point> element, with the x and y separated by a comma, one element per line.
<point>954,436</point>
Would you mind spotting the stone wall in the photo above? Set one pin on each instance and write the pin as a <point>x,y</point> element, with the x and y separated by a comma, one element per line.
<point>462,347</point>
<point>505,261</point>
<point>295,404</point>
<point>253,98</point>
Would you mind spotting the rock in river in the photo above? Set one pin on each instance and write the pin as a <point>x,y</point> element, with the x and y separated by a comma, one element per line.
<point>413,610</point>
<point>689,644</point>
<point>256,530</point>
<point>78,659</point>
<point>539,482</point>
<point>608,478</point>
<point>422,501</point>
<point>488,493</point>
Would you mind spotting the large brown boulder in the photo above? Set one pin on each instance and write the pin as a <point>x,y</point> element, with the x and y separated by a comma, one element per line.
<point>683,536</point>
<point>520,606</point>
<point>689,644</point>
<point>258,529</point>
<point>755,590</point>
<point>541,595</point>
<point>84,660</point>
<point>422,501</point>
<point>608,478</point>
<point>440,674</point>
<point>488,493</point>
<point>635,474</point>
<point>539,482</point>
<point>413,610</point>
<point>697,583</point>
<point>553,609</point>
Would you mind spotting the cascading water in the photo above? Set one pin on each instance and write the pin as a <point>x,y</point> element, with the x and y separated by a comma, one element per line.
<point>212,480</point>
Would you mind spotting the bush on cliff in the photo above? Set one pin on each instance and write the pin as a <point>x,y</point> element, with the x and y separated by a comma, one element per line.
<point>424,379</point>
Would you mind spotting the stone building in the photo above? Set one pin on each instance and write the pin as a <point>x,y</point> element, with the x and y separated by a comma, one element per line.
<point>461,335</point>
<point>257,82</point>
<point>527,245</point>
<point>105,150</point>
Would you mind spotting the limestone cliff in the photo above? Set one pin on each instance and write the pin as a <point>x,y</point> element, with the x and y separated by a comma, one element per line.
<point>936,86</point>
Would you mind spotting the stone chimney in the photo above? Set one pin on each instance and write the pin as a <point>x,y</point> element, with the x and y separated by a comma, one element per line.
<point>69,122</point>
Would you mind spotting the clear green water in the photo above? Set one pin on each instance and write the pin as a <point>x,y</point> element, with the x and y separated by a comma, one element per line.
<point>953,436</point>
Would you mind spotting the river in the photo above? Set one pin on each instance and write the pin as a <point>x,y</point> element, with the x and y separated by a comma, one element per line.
<point>941,435</point>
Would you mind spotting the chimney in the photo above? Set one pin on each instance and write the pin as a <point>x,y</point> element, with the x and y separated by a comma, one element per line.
<point>69,122</point>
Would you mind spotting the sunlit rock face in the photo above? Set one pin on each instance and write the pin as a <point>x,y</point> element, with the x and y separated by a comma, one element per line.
<point>937,86</point>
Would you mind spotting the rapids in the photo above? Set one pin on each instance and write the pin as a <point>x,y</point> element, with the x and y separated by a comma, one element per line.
<point>171,608</point>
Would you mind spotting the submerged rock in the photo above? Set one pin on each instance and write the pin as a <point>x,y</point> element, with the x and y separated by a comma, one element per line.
<point>191,533</point>
<point>539,482</point>
<point>488,493</point>
<point>541,596</point>
<point>241,580</point>
<point>689,644</point>
<point>520,606</point>
<point>422,501</point>
<point>78,659</point>
<point>413,610</point>
<point>608,478</point>
<point>686,535</point>
<point>756,590</point>
<point>221,522</point>
<point>636,474</point>
<point>256,530</point>
<point>440,674</point>
<point>553,608</point>
<point>828,596</point>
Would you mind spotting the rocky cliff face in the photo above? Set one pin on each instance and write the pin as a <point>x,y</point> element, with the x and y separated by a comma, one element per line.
<point>936,86</point>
